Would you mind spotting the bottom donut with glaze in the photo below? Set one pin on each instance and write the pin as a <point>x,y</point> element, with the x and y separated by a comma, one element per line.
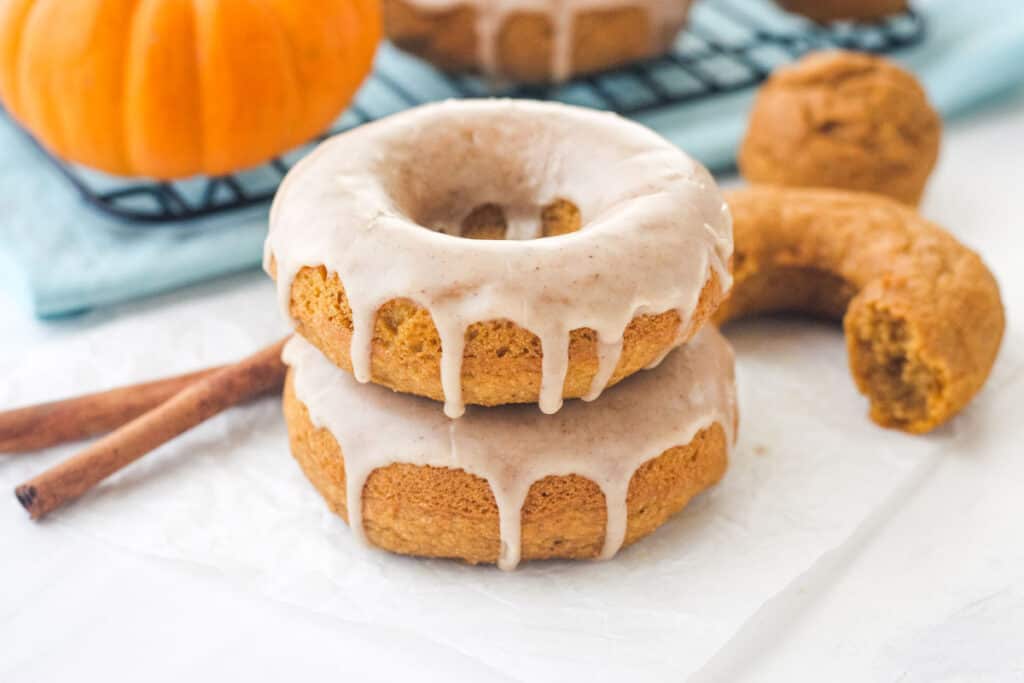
<point>509,483</point>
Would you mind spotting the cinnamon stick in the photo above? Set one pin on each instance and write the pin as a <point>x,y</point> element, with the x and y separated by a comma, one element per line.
<point>191,406</point>
<point>49,424</point>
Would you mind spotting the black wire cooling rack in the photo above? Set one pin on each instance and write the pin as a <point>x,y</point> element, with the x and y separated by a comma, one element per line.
<point>729,45</point>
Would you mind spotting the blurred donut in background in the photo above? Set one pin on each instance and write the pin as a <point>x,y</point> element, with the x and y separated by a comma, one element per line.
<point>846,120</point>
<point>839,10</point>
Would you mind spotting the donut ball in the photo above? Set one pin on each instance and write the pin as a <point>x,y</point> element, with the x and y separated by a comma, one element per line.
<point>839,10</point>
<point>843,120</point>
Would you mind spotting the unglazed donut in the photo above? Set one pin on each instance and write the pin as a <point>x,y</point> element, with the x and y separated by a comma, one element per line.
<point>364,244</point>
<point>922,314</point>
<point>845,120</point>
<point>504,484</point>
<point>534,40</point>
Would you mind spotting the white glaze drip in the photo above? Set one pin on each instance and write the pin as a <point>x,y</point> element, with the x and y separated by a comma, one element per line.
<point>616,491</point>
<point>511,447</point>
<point>665,19</point>
<point>362,342</point>
<point>608,354</point>
<point>554,366</point>
<point>655,227</point>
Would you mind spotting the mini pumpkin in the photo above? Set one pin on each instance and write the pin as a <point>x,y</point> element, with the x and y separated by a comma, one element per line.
<point>172,88</point>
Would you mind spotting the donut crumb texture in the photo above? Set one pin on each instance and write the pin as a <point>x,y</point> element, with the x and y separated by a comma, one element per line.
<point>489,222</point>
<point>887,359</point>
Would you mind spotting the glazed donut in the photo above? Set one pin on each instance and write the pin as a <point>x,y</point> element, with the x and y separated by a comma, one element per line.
<point>839,10</point>
<point>504,484</point>
<point>534,40</point>
<point>922,314</point>
<point>368,249</point>
<point>845,120</point>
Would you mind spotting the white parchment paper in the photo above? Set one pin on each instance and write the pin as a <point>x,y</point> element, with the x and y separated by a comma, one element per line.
<point>809,477</point>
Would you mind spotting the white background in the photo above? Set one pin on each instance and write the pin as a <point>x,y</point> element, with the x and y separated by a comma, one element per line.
<point>833,549</point>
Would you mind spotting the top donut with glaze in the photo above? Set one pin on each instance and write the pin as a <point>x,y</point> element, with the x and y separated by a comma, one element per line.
<point>366,245</point>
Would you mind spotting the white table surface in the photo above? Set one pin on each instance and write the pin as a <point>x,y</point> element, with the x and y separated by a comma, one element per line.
<point>924,584</point>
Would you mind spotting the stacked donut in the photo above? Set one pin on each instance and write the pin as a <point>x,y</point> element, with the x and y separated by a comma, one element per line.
<point>510,256</point>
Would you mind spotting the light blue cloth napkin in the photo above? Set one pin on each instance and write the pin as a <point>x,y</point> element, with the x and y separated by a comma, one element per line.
<point>66,257</point>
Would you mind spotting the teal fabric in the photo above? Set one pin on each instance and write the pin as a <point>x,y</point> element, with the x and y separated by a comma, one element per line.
<point>63,256</point>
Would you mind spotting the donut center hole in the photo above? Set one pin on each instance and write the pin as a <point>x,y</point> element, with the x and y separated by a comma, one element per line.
<point>489,221</point>
<point>492,221</point>
<point>514,171</point>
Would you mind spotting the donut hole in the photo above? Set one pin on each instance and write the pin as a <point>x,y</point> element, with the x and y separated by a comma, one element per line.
<point>485,222</point>
<point>515,173</point>
<point>489,222</point>
<point>806,291</point>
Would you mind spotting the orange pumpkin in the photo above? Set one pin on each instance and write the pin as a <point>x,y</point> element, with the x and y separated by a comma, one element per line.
<point>172,88</point>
